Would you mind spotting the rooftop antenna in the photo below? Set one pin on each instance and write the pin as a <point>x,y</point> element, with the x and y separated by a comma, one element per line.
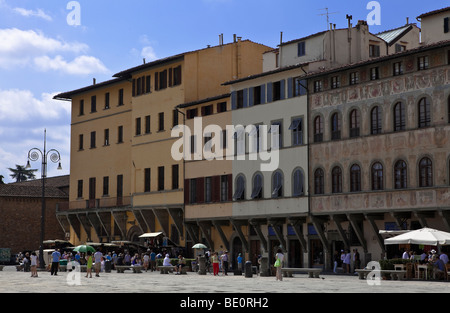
<point>327,14</point>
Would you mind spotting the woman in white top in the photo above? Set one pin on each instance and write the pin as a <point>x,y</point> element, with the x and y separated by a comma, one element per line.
<point>279,256</point>
<point>34,263</point>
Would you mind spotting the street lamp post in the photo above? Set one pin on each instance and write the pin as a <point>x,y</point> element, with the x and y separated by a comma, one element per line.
<point>55,157</point>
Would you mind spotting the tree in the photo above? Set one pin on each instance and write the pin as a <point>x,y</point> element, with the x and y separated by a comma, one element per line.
<point>20,173</point>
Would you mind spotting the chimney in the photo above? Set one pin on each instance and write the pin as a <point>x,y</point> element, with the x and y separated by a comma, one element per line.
<point>143,60</point>
<point>407,21</point>
<point>234,37</point>
<point>281,38</point>
<point>221,39</point>
<point>94,81</point>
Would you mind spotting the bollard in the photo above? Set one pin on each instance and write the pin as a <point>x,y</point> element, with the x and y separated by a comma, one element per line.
<point>202,266</point>
<point>248,269</point>
<point>264,268</point>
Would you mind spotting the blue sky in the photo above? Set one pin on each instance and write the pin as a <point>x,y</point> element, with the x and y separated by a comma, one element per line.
<point>42,54</point>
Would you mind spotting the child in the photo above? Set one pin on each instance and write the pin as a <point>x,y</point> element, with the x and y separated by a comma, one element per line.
<point>89,260</point>
<point>34,263</point>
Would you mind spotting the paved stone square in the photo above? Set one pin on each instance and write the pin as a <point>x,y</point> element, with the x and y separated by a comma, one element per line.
<point>12,281</point>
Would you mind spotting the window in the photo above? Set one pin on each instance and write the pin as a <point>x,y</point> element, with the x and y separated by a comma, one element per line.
<point>297,131</point>
<point>399,117</point>
<point>207,110</point>
<point>81,107</point>
<point>105,186</point>
<point>422,63</point>
<point>374,51</point>
<point>276,91</point>
<point>317,86</point>
<point>336,180</point>
<point>374,73</point>
<point>161,121</point>
<point>138,126</point>
<point>355,178</point>
<point>240,99</point>
<point>80,189</point>
<point>256,95</point>
<point>399,48</point>
<point>446,25</point>
<point>119,186</point>
<point>318,129</point>
<point>93,104</point>
<point>354,78</point>
<point>240,188</point>
<point>161,80</point>
<point>335,127</point>
<point>277,185</point>
<point>80,142</point>
<point>301,49</point>
<point>92,146</point>
<point>298,180</point>
<point>335,82</point>
<point>160,178</point>
<point>224,188</point>
<point>398,68</point>
<point>319,182</point>
<point>354,123</point>
<point>120,97</point>
<point>400,175</point>
<point>208,189</point>
<point>221,107</point>
<point>147,124</point>
<point>120,134</point>
<point>106,137</point>
<point>257,187</point>
<point>191,113</point>
<point>277,134</point>
<point>107,100</point>
<point>175,176</point>
<point>375,121</point>
<point>147,180</point>
<point>448,108</point>
<point>175,76</point>
<point>377,176</point>
<point>299,87</point>
<point>425,173</point>
<point>424,113</point>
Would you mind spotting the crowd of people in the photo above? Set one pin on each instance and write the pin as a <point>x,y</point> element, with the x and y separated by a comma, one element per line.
<point>345,259</point>
<point>222,262</point>
<point>435,260</point>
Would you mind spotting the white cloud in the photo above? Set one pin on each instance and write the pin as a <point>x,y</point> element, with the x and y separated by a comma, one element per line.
<point>30,13</point>
<point>82,65</point>
<point>149,53</point>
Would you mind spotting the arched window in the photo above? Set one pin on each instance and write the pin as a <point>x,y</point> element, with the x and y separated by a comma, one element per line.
<point>277,185</point>
<point>319,182</point>
<point>400,175</point>
<point>399,117</point>
<point>424,113</point>
<point>355,178</point>
<point>377,176</point>
<point>375,121</point>
<point>425,173</point>
<point>354,123</point>
<point>335,127</point>
<point>336,180</point>
<point>239,193</point>
<point>257,187</point>
<point>298,180</point>
<point>318,129</point>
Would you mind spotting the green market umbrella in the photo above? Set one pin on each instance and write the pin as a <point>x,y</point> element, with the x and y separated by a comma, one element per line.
<point>84,248</point>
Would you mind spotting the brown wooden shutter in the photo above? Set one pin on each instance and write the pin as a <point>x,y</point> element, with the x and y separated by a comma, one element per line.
<point>215,189</point>
<point>156,81</point>
<point>134,87</point>
<point>170,77</point>
<point>200,190</point>
<point>230,187</point>
<point>186,191</point>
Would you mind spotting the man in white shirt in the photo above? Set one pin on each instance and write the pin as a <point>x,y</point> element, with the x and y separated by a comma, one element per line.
<point>405,255</point>
<point>98,262</point>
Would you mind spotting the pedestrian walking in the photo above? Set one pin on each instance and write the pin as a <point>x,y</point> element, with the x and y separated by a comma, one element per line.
<point>56,256</point>
<point>239,261</point>
<point>34,264</point>
<point>225,263</point>
<point>98,262</point>
<point>215,263</point>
